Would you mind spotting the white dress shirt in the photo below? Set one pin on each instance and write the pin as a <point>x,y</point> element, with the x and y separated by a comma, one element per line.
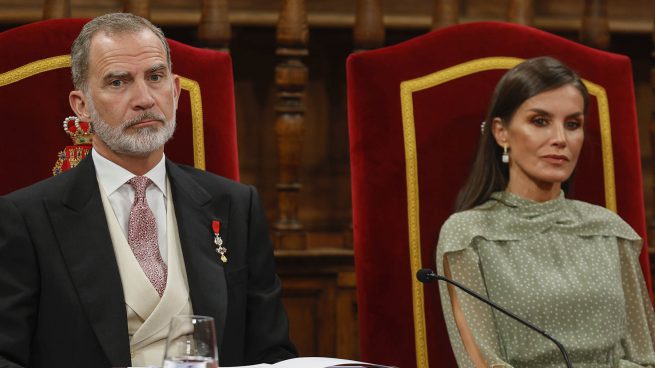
<point>113,181</point>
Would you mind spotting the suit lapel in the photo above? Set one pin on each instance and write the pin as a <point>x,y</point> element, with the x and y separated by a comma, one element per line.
<point>195,209</point>
<point>81,230</point>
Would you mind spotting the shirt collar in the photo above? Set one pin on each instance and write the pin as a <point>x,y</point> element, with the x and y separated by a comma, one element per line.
<point>112,176</point>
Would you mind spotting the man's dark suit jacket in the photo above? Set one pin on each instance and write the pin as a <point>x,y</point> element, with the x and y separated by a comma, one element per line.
<point>61,297</point>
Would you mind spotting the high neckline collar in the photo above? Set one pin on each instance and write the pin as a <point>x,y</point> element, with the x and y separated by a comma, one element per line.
<point>528,206</point>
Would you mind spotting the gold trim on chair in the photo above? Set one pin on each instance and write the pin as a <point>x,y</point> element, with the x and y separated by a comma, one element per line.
<point>64,61</point>
<point>196,121</point>
<point>33,68</point>
<point>605,143</point>
<point>407,88</point>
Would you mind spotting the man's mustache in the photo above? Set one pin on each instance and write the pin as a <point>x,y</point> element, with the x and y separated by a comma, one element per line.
<point>143,117</point>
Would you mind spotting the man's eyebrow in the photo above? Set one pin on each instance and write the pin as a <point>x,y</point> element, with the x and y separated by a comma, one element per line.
<point>115,75</point>
<point>157,68</point>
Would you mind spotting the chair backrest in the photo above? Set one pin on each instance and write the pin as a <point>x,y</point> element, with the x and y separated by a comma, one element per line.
<point>414,117</point>
<point>34,85</point>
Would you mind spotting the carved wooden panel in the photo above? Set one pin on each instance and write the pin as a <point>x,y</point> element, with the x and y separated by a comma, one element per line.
<point>624,15</point>
<point>214,29</point>
<point>368,31</point>
<point>446,13</point>
<point>310,302</point>
<point>320,299</point>
<point>137,7</point>
<point>595,30</point>
<point>521,11</point>
<point>53,9</point>
<point>291,76</point>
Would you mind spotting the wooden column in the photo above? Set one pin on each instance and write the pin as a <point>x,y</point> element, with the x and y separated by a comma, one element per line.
<point>214,30</point>
<point>137,7</point>
<point>595,30</point>
<point>446,13</point>
<point>368,34</point>
<point>521,12</point>
<point>291,80</point>
<point>369,25</point>
<point>53,9</point>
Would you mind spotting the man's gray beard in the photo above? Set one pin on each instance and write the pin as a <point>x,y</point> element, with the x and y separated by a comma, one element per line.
<point>140,142</point>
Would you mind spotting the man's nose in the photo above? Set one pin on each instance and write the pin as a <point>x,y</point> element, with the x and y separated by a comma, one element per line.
<point>142,98</point>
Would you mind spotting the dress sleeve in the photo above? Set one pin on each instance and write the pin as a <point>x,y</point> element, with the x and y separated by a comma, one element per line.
<point>464,267</point>
<point>639,339</point>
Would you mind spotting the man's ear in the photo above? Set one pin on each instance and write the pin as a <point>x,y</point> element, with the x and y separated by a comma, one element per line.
<point>78,103</point>
<point>176,88</point>
<point>499,131</point>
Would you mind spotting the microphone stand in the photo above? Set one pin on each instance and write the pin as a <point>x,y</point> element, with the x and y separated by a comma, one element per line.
<point>426,275</point>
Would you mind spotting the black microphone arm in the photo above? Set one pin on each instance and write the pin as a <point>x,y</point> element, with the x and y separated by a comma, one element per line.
<point>426,275</point>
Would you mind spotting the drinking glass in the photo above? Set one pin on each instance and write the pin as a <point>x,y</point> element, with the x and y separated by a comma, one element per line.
<point>191,343</point>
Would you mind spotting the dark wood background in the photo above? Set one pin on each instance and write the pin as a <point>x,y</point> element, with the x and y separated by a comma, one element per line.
<point>306,186</point>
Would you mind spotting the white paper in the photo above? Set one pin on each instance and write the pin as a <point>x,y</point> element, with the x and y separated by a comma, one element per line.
<point>305,362</point>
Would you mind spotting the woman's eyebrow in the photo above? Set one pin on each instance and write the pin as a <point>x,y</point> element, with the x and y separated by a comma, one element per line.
<point>546,113</point>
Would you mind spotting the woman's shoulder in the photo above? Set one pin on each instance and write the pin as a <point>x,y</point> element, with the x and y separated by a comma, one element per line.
<point>591,210</point>
<point>465,219</point>
<point>598,220</point>
<point>495,222</point>
<point>461,227</point>
<point>469,219</point>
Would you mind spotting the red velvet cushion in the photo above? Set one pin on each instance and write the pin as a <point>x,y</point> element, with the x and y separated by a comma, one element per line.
<point>34,108</point>
<point>447,121</point>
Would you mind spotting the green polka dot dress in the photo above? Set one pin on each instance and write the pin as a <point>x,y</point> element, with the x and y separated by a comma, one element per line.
<point>569,267</point>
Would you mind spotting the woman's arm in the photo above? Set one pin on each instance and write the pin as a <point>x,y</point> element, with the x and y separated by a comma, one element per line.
<point>639,341</point>
<point>465,333</point>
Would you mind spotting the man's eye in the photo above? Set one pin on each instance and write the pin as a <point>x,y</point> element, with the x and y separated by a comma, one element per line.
<point>116,83</point>
<point>155,77</point>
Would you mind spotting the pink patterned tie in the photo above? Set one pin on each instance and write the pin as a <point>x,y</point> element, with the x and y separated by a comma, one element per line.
<point>142,236</point>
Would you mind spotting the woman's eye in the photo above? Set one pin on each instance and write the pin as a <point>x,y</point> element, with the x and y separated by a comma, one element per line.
<point>539,121</point>
<point>573,124</point>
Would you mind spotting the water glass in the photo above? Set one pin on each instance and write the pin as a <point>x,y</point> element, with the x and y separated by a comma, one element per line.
<point>191,343</point>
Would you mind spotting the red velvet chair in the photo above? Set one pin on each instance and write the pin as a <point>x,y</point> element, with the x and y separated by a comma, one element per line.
<point>414,115</point>
<point>34,85</point>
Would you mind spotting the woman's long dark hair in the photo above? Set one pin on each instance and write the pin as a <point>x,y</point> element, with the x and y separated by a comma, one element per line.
<point>526,80</point>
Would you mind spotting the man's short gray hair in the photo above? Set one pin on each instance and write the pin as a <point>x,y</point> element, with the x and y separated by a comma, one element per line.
<point>110,24</point>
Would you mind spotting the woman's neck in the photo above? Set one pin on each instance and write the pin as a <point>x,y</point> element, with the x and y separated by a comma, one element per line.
<point>539,192</point>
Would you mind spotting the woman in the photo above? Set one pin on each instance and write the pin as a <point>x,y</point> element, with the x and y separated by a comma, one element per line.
<point>569,267</point>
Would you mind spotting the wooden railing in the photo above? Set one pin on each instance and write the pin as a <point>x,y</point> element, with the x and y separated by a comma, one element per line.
<point>627,16</point>
<point>56,9</point>
<point>368,32</point>
<point>214,30</point>
<point>595,30</point>
<point>291,80</point>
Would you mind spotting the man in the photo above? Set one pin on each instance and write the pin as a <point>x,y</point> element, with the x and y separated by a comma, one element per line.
<point>94,262</point>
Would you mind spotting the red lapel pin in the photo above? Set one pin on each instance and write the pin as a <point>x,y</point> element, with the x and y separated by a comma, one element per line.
<point>220,249</point>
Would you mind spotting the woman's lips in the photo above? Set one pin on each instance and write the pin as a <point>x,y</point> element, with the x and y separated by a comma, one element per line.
<point>556,159</point>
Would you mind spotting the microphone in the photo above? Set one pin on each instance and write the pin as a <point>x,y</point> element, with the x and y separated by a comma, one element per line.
<point>426,275</point>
